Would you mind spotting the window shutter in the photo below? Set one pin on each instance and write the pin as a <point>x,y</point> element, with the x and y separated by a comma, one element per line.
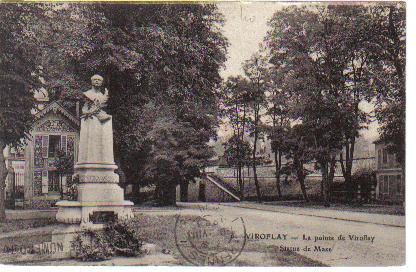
<point>385,159</point>
<point>379,158</point>
<point>64,185</point>
<point>44,182</point>
<point>45,146</point>
<point>386,185</point>
<point>381,184</point>
<point>63,143</point>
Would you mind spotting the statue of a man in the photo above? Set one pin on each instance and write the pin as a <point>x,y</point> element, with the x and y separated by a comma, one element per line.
<point>97,100</point>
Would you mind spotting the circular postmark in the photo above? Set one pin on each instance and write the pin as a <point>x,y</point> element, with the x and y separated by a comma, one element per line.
<point>210,240</point>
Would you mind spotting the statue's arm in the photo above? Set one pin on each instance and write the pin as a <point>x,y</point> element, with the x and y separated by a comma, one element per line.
<point>89,108</point>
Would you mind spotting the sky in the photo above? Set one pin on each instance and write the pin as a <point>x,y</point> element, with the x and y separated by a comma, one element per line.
<point>245,28</point>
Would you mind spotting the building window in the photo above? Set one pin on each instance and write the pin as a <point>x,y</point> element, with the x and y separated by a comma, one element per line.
<point>380,185</point>
<point>379,158</point>
<point>386,184</point>
<point>383,185</point>
<point>54,182</point>
<point>399,184</point>
<point>54,145</point>
<point>384,155</point>
<point>392,185</point>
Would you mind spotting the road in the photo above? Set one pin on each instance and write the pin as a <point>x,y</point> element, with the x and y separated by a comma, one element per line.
<point>387,248</point>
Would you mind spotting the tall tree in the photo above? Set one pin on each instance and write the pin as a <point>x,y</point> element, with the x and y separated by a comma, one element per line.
<point>176,156</point>
<point>17,78</point>
<point>388,71</point>
<point>256,69</point>
<point>300,50</point>
<point>237,153</point>
<point>167,55</point>
<point>298,151</point>
<point>278,111</point>
<point>235,100</point>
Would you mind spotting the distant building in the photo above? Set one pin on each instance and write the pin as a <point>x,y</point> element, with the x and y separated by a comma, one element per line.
<point>55,128</point>
<point>390,181</point>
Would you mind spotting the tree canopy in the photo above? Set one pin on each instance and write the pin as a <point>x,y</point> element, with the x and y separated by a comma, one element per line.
<point>164,55</point>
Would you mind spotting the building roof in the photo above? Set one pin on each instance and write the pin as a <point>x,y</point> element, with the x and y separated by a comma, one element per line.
<point>55,107</point>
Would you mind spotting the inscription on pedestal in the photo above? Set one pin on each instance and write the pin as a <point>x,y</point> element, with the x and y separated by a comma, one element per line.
<point>103,217</point>
<point>99,179</point>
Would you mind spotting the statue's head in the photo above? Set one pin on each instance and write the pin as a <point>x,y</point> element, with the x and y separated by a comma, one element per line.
<point>97,80</point>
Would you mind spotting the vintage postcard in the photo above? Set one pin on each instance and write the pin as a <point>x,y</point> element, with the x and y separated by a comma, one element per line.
<point>202,133</point>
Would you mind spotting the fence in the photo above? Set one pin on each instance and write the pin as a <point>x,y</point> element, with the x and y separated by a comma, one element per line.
<point>290,188</point>
<point>15,182</point>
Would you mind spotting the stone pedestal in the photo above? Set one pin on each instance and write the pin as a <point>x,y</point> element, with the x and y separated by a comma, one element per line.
<point>99,197</point>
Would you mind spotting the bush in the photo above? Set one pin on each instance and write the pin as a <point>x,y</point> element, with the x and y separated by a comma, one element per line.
<point>72,191</point>
<point>115,239</point>
<point>364,176</point>
<point>124,239</point>
<point>92,246</point>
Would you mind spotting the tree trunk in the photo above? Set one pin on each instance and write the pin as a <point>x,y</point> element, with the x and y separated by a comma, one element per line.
<point>61,189</point>
<point>157,195</point>
<point>241,181</point>
<point>3,176</point>
<point>301,180</point>
<point>347,167</point>
<point>136,193</point>
<point>331,176</point>
<point>184,191</point>
<point>13,190</point>
<point>325,184</point>
<point>277,162</point>
<point>256,181</point>
<point>300,177</point>
<point>168,194</point>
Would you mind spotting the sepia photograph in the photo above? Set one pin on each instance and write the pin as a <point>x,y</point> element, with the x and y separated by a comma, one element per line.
<point>221,133</point>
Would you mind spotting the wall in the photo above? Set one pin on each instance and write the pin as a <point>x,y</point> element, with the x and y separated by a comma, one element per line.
<point>390,182</point>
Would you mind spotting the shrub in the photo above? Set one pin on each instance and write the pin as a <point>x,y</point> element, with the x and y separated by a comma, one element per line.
<point>92,246</point>
<point>124,239</point>
<point>364,176</point>
<point>73,183</point>
<point>118,238</point>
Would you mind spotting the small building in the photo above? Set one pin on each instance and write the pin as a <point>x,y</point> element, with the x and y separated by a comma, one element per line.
<point>55,129</point>
<point>389,173</point>
<point>37,183</point>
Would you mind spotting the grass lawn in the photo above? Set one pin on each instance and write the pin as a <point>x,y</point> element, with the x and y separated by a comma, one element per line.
<point>157,230</point>
<point>24,224</point>
<point>160,231</point>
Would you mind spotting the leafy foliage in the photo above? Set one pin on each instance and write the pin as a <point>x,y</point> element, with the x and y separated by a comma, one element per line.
<point>18,76</point>
<point>91,246</point>
<point>165,55</point>
<point>237,152</point>
<point>118,238</point>
<point>388,72</point>
<point>176,155</point>
<point>364,175</point>
<point>72,185</point>
<point>124,239</point>
<point>332,58</point>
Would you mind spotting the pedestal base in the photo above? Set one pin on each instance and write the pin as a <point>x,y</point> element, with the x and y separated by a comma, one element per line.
<point>88,214</point>
<point>63,237</point>
<point>100,199</point>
